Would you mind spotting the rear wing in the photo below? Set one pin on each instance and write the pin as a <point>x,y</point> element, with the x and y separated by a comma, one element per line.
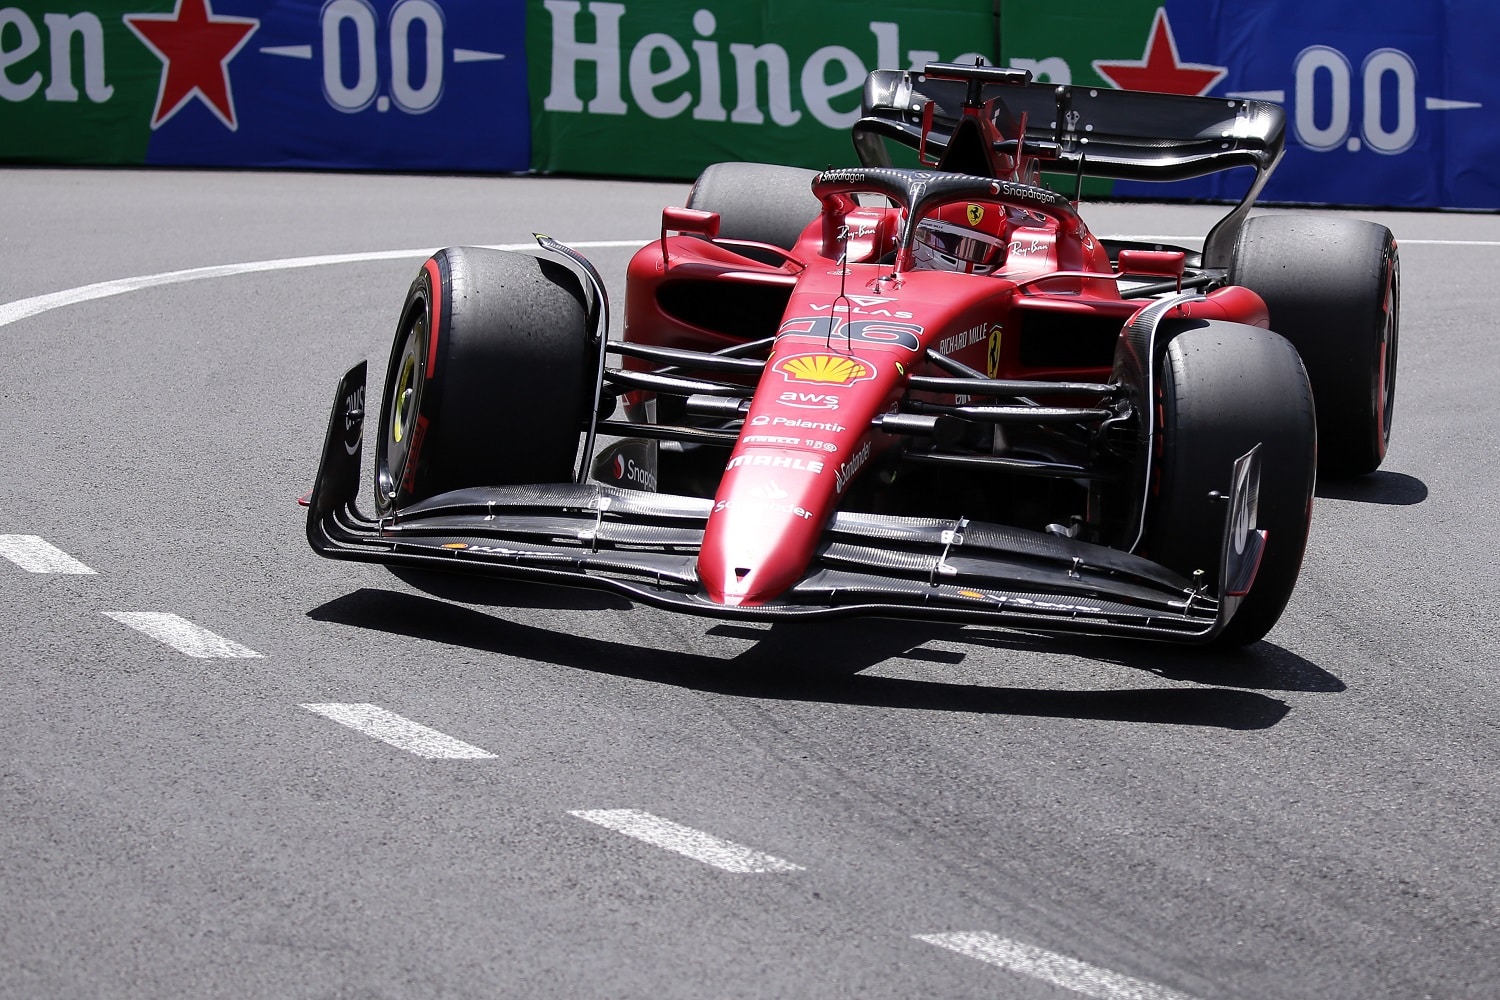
<point>1089,131</point>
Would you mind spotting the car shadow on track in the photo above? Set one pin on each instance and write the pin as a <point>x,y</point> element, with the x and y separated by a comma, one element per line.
<point>1395,489</point>
<point>823,663</point>
<point>1263,666</point>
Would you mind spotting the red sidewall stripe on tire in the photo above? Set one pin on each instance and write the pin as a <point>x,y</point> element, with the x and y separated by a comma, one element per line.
<point>435,296</point>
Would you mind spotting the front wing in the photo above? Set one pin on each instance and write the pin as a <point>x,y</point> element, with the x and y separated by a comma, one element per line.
<point>645,547</point>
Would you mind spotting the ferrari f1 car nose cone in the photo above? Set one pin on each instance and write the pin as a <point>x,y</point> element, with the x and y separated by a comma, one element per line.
<point>763,528</point>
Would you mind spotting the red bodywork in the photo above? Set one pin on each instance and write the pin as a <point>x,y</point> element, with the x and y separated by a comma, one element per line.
<point>944,402</point>
<point>849,336</point>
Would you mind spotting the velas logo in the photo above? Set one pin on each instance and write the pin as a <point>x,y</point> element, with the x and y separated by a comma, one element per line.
<point>1160,68</point>
<point>824,369</point>
<point>195,47</point>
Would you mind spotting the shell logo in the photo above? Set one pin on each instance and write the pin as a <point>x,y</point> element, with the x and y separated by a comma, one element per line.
<point>824,369</point>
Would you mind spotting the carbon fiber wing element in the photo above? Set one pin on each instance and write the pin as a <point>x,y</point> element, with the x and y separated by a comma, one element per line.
<point>645,546</point>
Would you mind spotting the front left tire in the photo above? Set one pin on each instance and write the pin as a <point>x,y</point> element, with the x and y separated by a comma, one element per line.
<point>490,380</point>
<point>1222,389</point>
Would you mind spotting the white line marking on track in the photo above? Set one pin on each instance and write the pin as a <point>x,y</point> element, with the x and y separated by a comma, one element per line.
<point>388,727</point>
<point>182,635</point>
<point>685,840</point>
<point>1158,238</point>
<point>13,312</point>
<point>37,555</point>
<point>1448,243</point>
<point>1050,967</point>
<point>1149,237</point>
<point>21,309</point>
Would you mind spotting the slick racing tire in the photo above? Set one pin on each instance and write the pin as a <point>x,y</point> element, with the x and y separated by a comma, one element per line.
<point>762,202</point>
<point>1333,287</point>
<point>1223,388</point>
<point>490,379</point>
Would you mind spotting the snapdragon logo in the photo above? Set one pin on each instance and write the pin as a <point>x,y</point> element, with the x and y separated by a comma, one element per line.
<point>665,81</point>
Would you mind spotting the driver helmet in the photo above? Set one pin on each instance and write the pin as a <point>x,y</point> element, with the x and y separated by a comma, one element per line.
<point>967,237</point>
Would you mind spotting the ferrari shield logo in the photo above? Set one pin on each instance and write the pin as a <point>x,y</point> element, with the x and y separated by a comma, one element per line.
<point>976,213</point>
<point>992,357</point>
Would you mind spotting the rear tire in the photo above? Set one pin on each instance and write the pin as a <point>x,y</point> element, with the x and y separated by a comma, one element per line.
<point>762,202</point>
<point>1333,287</point>
<point>1224,388</point>
<point>490,378</point>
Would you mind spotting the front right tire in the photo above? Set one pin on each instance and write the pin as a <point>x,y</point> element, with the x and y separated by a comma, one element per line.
<point>763,202</point>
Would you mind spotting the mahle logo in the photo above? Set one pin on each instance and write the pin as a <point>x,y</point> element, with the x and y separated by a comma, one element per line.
<point>721,81</point>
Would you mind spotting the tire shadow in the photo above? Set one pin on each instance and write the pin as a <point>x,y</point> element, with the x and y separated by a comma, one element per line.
<point>823,662</point>
<point>1395,489</point>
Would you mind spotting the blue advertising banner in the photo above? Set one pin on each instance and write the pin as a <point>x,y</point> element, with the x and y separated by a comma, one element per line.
<point>390,84</point>
<point>1389,102</point>
<point>383,84</point>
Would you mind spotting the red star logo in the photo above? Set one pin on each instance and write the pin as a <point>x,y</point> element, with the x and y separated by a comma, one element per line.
<point>1160,68</point>
<point>194,47</point>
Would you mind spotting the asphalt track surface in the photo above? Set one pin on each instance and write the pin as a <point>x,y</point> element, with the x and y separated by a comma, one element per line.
<point>914,811</point>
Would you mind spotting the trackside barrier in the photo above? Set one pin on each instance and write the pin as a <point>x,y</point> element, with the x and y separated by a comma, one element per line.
<point>1390,102</point>
<point>377,84</point>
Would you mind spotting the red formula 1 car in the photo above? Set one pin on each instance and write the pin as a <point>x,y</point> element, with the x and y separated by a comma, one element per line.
<point>926,393</point>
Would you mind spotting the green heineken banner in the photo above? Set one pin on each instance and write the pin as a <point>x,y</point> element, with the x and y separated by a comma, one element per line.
<point>666,87</point>
<point>75,84</point>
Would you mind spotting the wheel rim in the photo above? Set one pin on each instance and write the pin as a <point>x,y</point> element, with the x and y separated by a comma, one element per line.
<point>401,408</point>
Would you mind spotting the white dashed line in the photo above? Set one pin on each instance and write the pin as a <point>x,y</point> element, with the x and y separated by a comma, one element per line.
<point>1050,967</point>
<point>37,555</point>
<point>21,309</point>
<point>388,727</point>
<point>696,844</point>
<point>182,635</point>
